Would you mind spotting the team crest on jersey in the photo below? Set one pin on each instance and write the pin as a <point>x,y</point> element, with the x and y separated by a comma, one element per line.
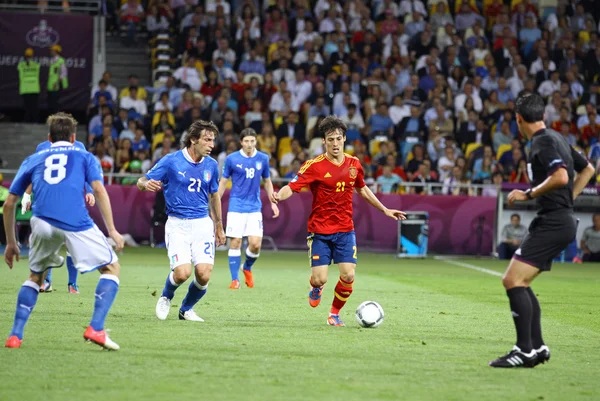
<point>258,165</point>
<point>353,172</point>
<point>207,176</point>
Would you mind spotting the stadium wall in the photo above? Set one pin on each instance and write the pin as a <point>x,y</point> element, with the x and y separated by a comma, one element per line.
<point>454,220</point>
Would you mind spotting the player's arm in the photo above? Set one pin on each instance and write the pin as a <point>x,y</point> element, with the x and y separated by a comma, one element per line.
<point>152,181</point>
<point>106,212</point>
<point>585,172</point>
<point>222,186</point>
<point>368,195</point>
<point>269,191</point>
<point>215,210</point>
<point>306,175</point>
<point>225,176</point>
<point>26,201</point>
<point>12,249</point>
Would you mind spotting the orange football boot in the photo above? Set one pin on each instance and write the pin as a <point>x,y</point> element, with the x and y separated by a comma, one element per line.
<point>249,278</point>
<point>235,285</point>
<point>13,342</point>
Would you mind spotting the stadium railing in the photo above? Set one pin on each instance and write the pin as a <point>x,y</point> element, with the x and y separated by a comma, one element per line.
<point>403,188</point>
<point>82,6</point>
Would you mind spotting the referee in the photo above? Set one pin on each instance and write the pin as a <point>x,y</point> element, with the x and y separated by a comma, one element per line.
<point>552,167</point>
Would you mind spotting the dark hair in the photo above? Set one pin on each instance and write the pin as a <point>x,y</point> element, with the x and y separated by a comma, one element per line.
<point>102,82</point>
<point>62,126</point>
<point>531,107</point>
<point>515,215</point>
<point>133,88</point>
<point>329,124</point>
<point>195,131</point>
<point>247,132</point>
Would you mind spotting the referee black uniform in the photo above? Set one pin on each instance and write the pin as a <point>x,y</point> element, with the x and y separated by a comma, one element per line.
<point>554,227</point>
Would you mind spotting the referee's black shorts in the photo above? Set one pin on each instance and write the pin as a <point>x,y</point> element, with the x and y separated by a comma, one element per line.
<point>549,234</point>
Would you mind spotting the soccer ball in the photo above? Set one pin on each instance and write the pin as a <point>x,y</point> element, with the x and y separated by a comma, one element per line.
<point>369,314</point>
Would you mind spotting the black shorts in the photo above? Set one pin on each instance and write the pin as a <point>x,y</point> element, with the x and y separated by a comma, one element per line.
<point>549,234</point>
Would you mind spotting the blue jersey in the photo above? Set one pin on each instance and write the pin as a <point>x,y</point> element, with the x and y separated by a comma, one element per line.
<point>58,175</point>
<point>47,144</point>
<point>186,184</point>
<point>246,173</point>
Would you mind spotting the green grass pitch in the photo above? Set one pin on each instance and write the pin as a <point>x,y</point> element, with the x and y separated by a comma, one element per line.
<point>443,324</point>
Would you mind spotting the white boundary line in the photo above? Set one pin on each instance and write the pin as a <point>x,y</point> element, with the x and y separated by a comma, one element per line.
<point>469,266</point>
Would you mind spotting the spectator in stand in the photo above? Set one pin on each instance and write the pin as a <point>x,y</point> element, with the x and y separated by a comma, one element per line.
<point>156,22</point>
<point>164,149</point>
<point>424,175</point>
<point>106,77</point>
<point>286,160</point>
<point>128,133</point>
<point>187,75</point>
<point>512,235</point>
<point>292,129</point>
<point>504,136</point>
<point>388,182</point>
<point>295,167</point>
<point>446,163</point>
<point>520,175</point>
<point>380,124</point>
<point>131,14</point>
<point>134,82</point>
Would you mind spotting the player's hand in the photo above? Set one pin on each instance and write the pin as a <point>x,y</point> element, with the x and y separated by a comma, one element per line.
<point>274,198</point>
<point>275,210</point>
<point>153,186</point>
<point>114,234</point>
<point>220,236</point>
<point>90,199</point>
<point>11,253</point>
<point>25,203</point>
<point>395,214</point>
<point>516,195</point>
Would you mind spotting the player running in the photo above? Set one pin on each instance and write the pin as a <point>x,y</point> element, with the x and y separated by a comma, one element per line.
<point>332,177</point>
<point>61,217</point>
<point>552,166</point>
<point>244,218</point>
<point>190,179</point>
<point>72,286</point>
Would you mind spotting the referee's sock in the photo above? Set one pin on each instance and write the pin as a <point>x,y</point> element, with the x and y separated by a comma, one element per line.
<point>522,311</point>
<point>536,320</point>
<point>235,259</point>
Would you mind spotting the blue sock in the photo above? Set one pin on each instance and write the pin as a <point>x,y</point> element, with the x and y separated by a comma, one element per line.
<point>195,293</point>
<point>72,270</point>
<point>235,259</point>
<point>49,275</point>
<point>170,287</point>
<point>250,259</point>
<point>26,300</point>
<point>106,291</point>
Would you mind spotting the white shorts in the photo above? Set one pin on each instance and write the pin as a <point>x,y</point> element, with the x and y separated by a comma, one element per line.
<point>240,225</point>
<point>190,241</point>
<point>89,249</point>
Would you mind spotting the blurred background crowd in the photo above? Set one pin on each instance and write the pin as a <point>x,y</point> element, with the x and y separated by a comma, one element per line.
<point>427,88</point>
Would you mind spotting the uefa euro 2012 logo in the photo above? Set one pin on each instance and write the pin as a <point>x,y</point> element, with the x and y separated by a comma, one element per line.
<point>42,35</point>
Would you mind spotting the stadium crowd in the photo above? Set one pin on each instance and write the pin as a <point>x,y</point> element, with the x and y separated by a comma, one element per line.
<point>427,88</point>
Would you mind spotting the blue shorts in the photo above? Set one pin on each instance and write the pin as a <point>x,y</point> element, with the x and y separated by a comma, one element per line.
<point>336,248</point>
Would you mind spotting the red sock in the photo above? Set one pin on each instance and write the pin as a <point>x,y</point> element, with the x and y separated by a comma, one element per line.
<point>342,292</point>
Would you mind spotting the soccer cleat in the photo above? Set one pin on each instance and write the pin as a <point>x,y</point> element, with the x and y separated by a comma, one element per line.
<point>73,288</point>
<point>235,285</point>
<point>543,355</point>
<point>46,287</point>
<point>100,338</point>
<point>249,278</point>
<point>190,315</point>
<point>516,359</point>
<point>314,296</point>
<point>13,342</point>
<point>163,306</point>
<point>334,320</point>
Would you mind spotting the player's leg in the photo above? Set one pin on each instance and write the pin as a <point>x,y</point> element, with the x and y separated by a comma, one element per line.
<point>345,255</point>
<point>72,286</point>
<point>91,251</point>
<point>254,232</point>
<point>236,224</point>
<point>45,242</point>
<point>47,281</point>
<point>319,254</point>
<point>178,242</point>
<point>203,257</point>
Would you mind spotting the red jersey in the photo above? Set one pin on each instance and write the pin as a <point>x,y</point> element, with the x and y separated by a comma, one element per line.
<point>332,186</point>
